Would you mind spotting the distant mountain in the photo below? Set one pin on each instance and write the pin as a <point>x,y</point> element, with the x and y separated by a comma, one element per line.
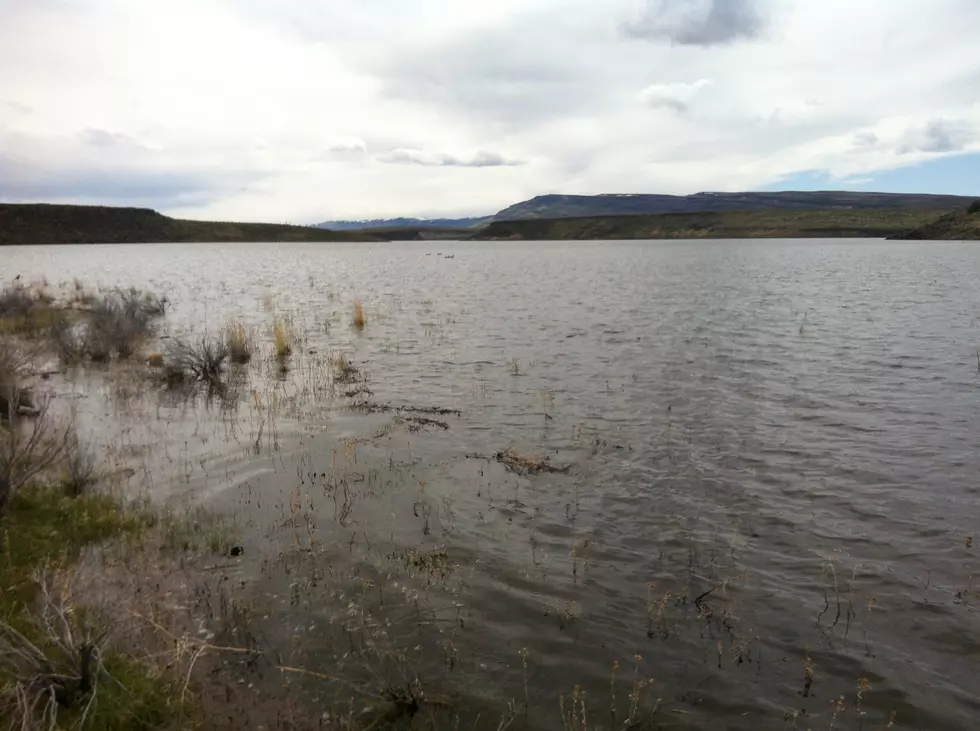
<point>578,206</point>
<point>404,222</point>
<point>962,225</point>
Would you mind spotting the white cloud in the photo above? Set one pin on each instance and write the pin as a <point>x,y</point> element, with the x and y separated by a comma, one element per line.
<point>317,109</point>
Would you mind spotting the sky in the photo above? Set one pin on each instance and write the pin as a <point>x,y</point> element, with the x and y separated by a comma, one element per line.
<point>305,110</point>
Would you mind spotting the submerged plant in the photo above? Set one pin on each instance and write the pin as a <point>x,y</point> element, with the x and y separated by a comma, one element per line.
<point>80,470</point>
<point>200,361</point>
<point>283,336</point>
<point>360,317</point>
<point>239,342</point>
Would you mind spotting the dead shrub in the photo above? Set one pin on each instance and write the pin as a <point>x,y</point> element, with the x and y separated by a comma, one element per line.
<point>198,361</point>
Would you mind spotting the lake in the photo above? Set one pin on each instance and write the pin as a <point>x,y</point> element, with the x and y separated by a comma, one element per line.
<point>690,484</point>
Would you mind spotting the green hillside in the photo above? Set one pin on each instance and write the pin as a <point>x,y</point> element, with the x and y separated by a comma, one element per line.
<point>735,224</point>
<point>963,225</point>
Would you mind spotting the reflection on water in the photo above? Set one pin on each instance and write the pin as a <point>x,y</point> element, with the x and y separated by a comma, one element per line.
<point>748,470</point>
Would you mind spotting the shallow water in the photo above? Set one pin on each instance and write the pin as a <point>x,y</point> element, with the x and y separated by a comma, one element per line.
<point>773,450</point>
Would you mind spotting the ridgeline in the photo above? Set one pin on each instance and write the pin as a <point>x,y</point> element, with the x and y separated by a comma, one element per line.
<point>41,223</point>
<point>912,217</point>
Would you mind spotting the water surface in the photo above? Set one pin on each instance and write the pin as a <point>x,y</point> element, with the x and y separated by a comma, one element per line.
<point>772,452</point>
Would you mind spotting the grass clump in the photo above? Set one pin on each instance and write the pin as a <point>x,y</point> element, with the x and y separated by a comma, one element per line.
<point>360,316</point>
<point>239,342</point>
<point>283,336</point>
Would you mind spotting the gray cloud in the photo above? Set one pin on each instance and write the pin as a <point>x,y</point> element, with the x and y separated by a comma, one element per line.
<point>937,136</point>
<point>505,76</point>
<point>864,140</point>
<point>353,145</point>
<point>677,97</point>
<point>15,108</point>
<point>105,140</point>
<point>697,22</point>
<point>409,156</point>
<point>114,168</point>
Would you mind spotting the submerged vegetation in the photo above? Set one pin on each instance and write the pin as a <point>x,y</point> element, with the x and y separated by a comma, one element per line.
<point>201,360</point>
<point>82,325</point>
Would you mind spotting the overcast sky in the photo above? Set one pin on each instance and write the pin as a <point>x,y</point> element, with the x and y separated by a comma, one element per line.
<point>304,110</point>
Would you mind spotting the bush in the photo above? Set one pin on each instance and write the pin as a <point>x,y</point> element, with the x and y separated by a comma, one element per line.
<point>80,469</point>
<point>974,207</point>
<point>13,396</point>
<point>68,342</point>
<point>114,327</point>
<point>16,301</point>
<point>28,447</point>
<point>201,361</point>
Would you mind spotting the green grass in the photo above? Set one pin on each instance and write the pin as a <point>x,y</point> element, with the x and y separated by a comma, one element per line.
<point>46,530</point>
<point>46,526</point>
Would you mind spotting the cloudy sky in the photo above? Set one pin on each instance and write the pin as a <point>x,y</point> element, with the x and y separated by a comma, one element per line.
<point>303,110</point>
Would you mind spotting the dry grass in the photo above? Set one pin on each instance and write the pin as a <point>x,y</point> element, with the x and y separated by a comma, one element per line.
<point>283,336</point>
<point>360,316</point>
<point>239,342</point>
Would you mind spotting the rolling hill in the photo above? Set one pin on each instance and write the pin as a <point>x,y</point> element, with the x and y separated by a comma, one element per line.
<point>41,223</point>
<point>962,225</point>
<point>716,225</point>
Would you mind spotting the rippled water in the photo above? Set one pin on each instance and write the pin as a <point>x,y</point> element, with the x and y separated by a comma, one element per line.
<point>773,450</point>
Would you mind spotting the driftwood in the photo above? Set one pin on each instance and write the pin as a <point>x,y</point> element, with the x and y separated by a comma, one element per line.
<point>522,464</point>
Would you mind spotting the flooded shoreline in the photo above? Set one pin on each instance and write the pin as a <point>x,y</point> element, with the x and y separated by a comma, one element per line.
<point>654,486</point>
